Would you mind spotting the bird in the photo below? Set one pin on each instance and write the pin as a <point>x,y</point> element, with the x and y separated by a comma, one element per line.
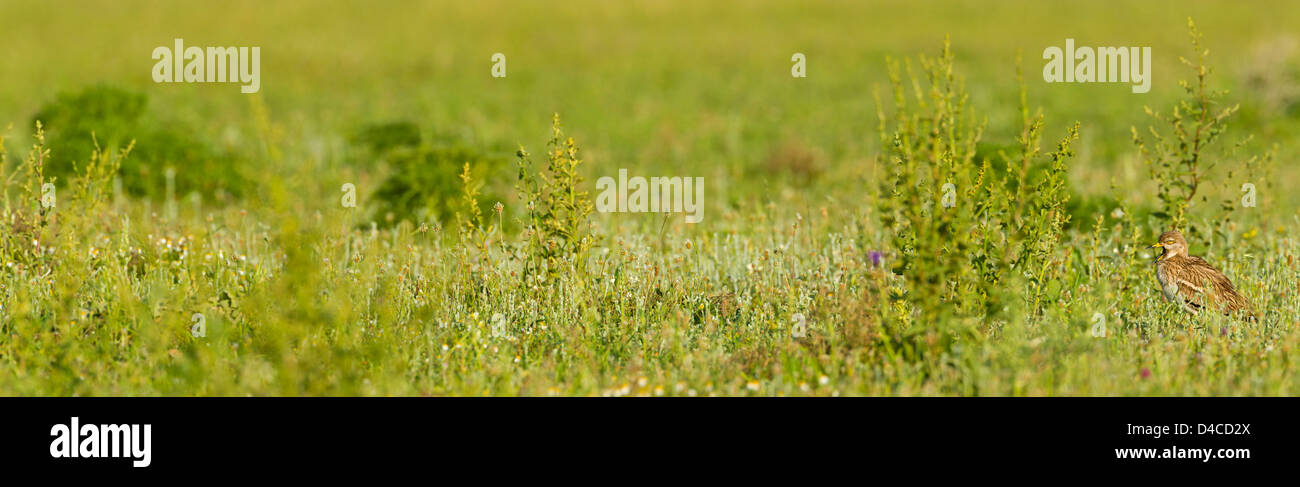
<point>1193,283</point>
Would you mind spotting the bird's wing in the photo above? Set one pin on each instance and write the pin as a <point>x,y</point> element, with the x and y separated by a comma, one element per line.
<point>1200,283</point>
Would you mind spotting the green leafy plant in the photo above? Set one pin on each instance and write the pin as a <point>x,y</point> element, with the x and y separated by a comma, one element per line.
<point>927,151</point>
<point>555,226</point>
<point>1004,208</point>
<point>1176,157</point>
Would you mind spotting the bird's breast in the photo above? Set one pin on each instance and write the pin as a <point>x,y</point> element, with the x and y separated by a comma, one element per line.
<point>1167,285</point>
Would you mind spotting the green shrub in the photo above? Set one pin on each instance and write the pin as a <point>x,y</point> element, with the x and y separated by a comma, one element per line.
<point>381,138</point>
<point>929,143</point>
<point>108,117</point>
<point>423,183</point>
<point>1005,208</point>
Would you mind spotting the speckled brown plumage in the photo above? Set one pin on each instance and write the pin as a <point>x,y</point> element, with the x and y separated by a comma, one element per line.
<point>1193,283</point>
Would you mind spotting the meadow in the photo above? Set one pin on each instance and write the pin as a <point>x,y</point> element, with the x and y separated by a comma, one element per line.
<point>828,261</point>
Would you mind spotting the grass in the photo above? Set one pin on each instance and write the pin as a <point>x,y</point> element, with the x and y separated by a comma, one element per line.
<point>806,209</point>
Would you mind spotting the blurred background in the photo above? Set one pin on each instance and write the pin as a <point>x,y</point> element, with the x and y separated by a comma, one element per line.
<point>307,296</point>
<point>658,87</point>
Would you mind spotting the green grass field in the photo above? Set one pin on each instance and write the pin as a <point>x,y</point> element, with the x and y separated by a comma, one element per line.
<point>822,212</point>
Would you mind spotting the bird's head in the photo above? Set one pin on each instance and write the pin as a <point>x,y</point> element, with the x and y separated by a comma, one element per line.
<point>1173,244</point>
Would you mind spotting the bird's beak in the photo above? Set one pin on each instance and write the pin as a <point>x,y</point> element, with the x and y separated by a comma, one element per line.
<point>1156,245</point>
